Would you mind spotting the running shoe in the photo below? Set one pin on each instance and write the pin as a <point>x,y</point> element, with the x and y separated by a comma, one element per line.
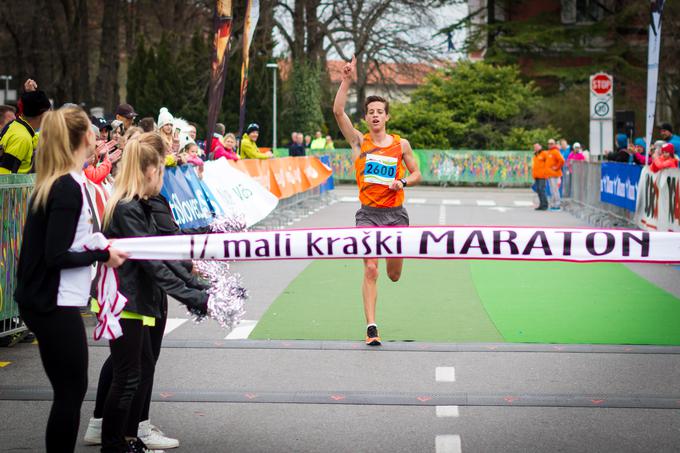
<point>137,446</point>
<point>372,337</point>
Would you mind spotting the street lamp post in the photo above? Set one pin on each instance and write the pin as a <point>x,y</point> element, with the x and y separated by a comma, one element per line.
<point>275,67</point>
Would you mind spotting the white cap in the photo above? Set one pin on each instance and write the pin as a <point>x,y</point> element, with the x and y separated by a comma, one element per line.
<point>576,145</point>
<point>185,140</point>
<point>164,117</point>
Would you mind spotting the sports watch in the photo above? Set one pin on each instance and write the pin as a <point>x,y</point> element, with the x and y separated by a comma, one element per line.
<point>403,182</point>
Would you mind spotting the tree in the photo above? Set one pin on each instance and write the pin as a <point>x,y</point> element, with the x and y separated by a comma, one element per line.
<point>474,105</point>
<point>106,85</point>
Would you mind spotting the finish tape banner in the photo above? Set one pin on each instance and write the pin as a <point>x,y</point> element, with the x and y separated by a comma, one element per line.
<point>499,243</point>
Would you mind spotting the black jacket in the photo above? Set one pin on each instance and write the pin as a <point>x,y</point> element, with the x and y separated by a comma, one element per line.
<point>144,282</point>
<point>47,238</point>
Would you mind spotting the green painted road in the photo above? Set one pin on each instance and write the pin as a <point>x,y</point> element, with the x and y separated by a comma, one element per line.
<point>478,301</point>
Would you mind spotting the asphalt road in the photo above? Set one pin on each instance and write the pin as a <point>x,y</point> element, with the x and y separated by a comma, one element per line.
<point>232,395</point>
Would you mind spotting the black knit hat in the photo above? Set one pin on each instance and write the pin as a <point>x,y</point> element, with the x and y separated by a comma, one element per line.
<point>35,103</point>
<point>252,127</point>
<point>666,126</point>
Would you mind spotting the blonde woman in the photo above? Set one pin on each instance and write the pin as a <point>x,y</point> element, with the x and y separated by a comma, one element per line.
<point>53,279</point>
<point>129,213</point>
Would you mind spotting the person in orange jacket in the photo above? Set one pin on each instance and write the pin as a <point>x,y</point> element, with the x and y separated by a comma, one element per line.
<point>538,171</point>
<point>553,171</point>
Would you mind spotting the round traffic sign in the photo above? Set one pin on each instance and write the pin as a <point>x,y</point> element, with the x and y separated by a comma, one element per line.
<point>601,84</point>
<point>601,109</point>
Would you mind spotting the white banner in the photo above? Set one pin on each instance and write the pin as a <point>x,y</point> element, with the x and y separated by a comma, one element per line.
<point>507,243</point>
<point>658,202</point>
<point>239,192</point>
<point>653,66</point>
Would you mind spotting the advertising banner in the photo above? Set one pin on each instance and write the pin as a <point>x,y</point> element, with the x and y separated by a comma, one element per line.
<point>505,243</point>
<point>189,207</point>
<point>237,193</point>
<point>658,204</point>
<point>619,183</point>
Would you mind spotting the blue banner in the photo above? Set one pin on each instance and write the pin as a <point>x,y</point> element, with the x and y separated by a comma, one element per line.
<point>619,183</point>
<point>201,189</point>
<point>330,183</point>
<point>189,205</point>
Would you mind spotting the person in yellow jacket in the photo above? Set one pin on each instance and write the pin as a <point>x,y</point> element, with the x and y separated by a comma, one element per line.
<point>553,171</point>
<point>248,148</point>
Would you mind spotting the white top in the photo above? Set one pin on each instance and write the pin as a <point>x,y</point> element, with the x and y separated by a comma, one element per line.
<point>74,284</point>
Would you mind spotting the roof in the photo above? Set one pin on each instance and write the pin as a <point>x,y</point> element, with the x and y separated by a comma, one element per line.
<point>400,74</point>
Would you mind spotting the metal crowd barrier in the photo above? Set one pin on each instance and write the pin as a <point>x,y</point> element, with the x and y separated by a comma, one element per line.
<point>295,208</point>
<point>581,190</point>
<point>14,193</point>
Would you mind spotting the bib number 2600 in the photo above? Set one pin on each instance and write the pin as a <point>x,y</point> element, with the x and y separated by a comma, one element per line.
<point>380,169</point>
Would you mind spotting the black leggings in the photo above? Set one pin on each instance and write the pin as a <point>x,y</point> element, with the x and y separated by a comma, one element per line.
<point>63,351</point>
<point>133,363</point>
<point>106,374</point>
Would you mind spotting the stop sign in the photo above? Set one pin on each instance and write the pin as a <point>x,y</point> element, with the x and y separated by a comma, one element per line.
<point>601,84</point>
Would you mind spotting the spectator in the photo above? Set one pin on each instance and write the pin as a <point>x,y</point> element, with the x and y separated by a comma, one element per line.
<point>189,151</point>
<point>666,132</point>
<point>191,131</point>
<point>665,158</point>
<point>227,150</point>
<point>622,153</point>
<point>220,130</point>
<point>538,165</point>
<point>165,128</point>
<point>117,131</point>
<point>319,142</point>
<point>576,152</point>
<point>639,148</point>
<point>553,171</point>
<point>125,114</point>
<point>19,140</point>
<point>565,149</point>
<point>99,164</point>
<point>296,147</point>
<point>7,115</point>
<point>248,147</point>
<point>103,127</point>
<point>308,141</point>
<point>147,124</point>
<point>329,143</point>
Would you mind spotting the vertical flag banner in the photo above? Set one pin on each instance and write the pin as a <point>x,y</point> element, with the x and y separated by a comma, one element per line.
<point>252,16</point>
<point>218,69</point>
<point>653,66</point>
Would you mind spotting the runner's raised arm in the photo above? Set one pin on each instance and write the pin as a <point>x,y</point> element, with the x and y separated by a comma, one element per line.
<point>353,136</point>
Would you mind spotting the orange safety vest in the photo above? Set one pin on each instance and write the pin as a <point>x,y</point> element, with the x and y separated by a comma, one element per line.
<point>376,168</point>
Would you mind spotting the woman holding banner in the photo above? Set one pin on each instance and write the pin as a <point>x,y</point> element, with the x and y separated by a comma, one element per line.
<point>53,279</point>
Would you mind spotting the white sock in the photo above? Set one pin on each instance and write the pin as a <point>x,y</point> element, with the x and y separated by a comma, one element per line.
<point>372,324</point>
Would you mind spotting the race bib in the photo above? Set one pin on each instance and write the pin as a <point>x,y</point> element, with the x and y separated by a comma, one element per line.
<point>380,169</point>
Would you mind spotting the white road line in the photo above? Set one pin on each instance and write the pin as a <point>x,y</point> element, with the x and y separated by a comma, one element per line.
<point>523,203</point>
<point>451,202</point>
<point>445,374</point>
<point>449,443</point>
<point>442,214</point>
<point>447,411</point>
<point>486,203</point>
<point>173,323</point>
<point>349,199</point>
<point>416,200</point>
<point>241,331</point>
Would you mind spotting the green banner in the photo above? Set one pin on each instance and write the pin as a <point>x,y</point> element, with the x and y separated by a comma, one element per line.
<point>450,167</point>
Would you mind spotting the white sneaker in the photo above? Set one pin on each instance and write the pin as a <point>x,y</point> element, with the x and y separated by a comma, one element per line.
<point>154,437</point>
<point>93,435</point>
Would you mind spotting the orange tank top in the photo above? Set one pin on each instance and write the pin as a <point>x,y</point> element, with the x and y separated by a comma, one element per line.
<point>376,168</point>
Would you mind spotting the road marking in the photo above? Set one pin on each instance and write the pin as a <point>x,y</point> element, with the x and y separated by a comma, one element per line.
<point>445,374</point>
<point>449,443</point>
<point>349,199</point>
<point>523,203</point>
<point>442,214</point>
<point>500,209</point>
<point>447,411</point>
<point>451,202</point>
<point>486,203</point>
<point>4,364</point>
<point>241,331</point>
<point>416,200</point>
<point>173,323</point>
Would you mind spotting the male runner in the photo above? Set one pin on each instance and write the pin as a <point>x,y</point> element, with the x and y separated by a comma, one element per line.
<point>379,159</point>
